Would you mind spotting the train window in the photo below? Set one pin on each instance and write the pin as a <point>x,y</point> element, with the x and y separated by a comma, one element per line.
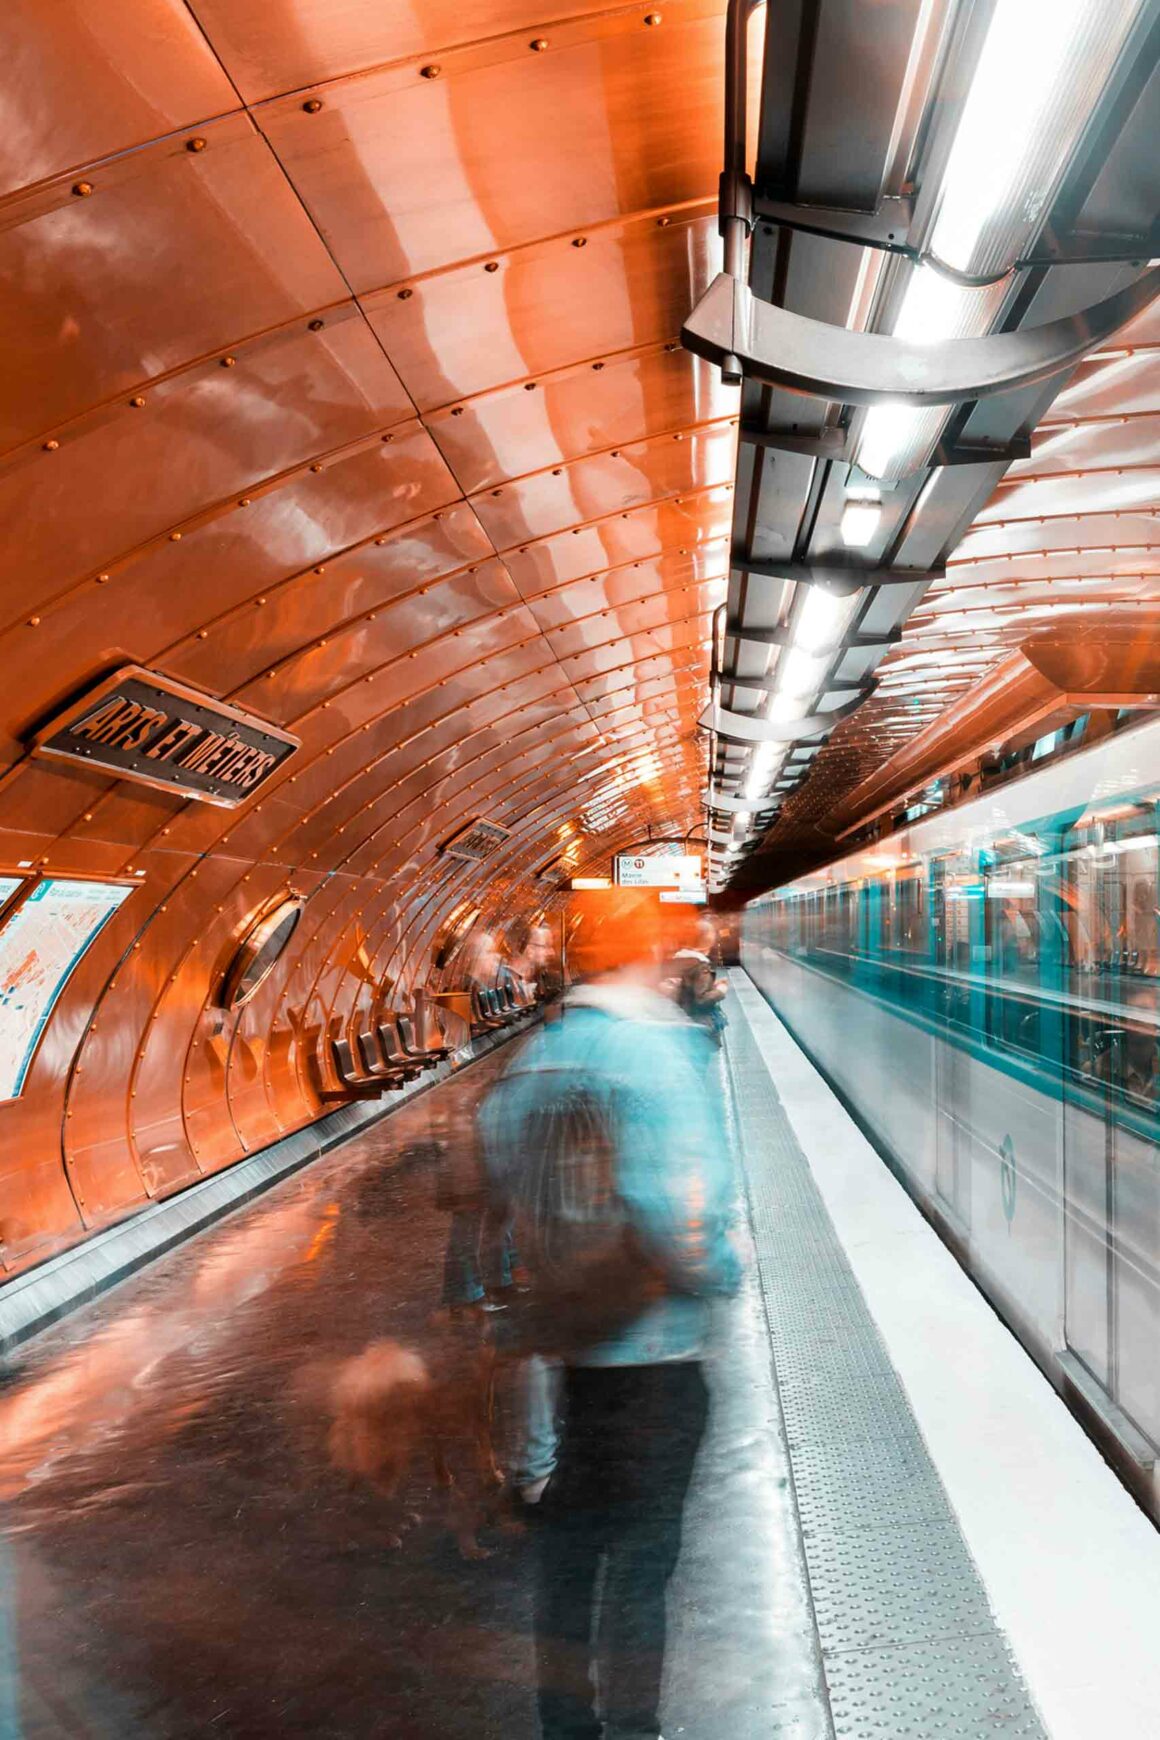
<point>1012,936</point>
<point>1112,888</point>
<point>910,926</point>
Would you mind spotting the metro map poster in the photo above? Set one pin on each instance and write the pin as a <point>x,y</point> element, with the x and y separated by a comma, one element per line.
<point>39,947</point>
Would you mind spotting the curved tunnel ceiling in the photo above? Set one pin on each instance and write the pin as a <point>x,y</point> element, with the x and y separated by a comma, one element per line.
<point>343,383</point>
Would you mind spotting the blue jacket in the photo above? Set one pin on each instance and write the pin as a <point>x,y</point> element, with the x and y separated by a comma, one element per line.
<point>674,1176</point>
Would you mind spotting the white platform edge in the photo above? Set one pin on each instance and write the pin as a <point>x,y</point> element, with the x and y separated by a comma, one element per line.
<point>1070,1562</point>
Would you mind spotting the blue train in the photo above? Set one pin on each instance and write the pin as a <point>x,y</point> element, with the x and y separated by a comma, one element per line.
<point>983,989</point>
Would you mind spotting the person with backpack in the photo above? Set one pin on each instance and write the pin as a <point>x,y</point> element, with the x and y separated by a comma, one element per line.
<point>606,1149</point>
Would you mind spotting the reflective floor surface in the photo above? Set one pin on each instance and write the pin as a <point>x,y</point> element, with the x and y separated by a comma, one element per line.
<point>179,1558</point>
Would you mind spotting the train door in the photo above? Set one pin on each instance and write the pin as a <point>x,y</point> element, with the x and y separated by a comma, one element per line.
<point>955,915</point>
<point>1111,1163</point>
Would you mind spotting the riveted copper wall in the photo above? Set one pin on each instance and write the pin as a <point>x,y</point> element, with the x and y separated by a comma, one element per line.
<point>341,381</point>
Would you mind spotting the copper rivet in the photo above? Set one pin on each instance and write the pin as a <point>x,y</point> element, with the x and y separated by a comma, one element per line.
<point>321,569</point>
<point>497,492</point>
<point>538,44</point>
<point>312,105</point>
<point>34,622</point>
<point>430,72</point>
<point>598,366</point>
<point>315,325</point>
<point>380,540</point>
<point>102,579</point>
<point>202,633</point>
<point>663,223</point>
<point>492,266</point>
<point>555,471</point>
<point>579,241</point>
<point>261,601</point>
<point>615,453</point>
<point>245,501</point>
<point>457,410</point>
<point>529,386</point>
<point>175,537</point>
<point>316,467</point>
<point>51,446</point>
<point>229,362</point>
<point>652,17</point>
<point>388,437</point>
<point>137,403</point>
<point>197,144</point>
<point>82,189</point>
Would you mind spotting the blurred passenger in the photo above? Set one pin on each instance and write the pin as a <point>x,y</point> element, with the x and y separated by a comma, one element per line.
<point>699,993</point>
<point>478,1261</point>
<point>603,1145</point>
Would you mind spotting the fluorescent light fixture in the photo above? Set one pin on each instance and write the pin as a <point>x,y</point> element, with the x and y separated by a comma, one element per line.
<point>1039,76</point>
<point>999,887</point>
<point>764,763</point>
<point>799,673</point>
<point>821,619</point>
<point>784,709</point>
<point>591,882</point>
<point>860,521</point>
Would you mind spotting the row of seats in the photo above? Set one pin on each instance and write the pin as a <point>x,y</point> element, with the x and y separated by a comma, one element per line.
<point>495,1006</point>
<point>398,1048</point>
<point>386,1056</point>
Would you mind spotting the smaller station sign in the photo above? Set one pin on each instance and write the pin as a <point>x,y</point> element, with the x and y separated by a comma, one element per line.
<point>140,725</point>
<point>658,870</point>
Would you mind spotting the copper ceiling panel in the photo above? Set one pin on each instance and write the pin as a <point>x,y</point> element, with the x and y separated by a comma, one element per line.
<point>175,256</point>
<point>698,523</point>
<point>606,592</point>
<point>636,619</point>
<point>84,81</point>
<point>278,45</point>
<point>518,315</point>
<point>200,441</point>
<point>594,488</point>
<point>524,428</point>
<point>256,599</point>
<point>405,174</point>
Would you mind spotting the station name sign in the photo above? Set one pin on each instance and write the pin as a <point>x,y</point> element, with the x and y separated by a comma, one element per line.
<point>140,725</point>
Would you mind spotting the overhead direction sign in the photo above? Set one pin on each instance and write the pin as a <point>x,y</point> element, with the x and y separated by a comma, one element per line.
<point>658,870</point>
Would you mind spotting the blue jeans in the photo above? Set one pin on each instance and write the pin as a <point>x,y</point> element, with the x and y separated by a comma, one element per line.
<point>535,1403</point>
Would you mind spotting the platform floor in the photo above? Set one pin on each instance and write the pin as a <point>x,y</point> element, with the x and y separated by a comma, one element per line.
<point>177,1558</point>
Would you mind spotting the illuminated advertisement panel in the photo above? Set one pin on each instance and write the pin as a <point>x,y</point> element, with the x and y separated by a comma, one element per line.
<point>39,947</point>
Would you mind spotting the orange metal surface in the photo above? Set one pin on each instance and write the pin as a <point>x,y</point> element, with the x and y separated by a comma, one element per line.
<point>341,382</point>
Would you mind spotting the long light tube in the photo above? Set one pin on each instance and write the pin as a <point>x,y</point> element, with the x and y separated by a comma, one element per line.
<point>1039,76</point>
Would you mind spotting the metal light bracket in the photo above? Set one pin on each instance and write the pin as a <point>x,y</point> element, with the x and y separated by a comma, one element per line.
<point>749,728</point>
<point>739,332</point>
<point>783,636</point>
<point>839,580</point>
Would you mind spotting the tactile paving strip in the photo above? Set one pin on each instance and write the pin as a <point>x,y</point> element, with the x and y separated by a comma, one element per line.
<point>911,1648</point>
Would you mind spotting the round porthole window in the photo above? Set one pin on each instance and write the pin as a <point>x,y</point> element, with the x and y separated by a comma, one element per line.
<point>258,951</point>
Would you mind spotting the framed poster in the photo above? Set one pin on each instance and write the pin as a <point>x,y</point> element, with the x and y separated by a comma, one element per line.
<point>40,944</point>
